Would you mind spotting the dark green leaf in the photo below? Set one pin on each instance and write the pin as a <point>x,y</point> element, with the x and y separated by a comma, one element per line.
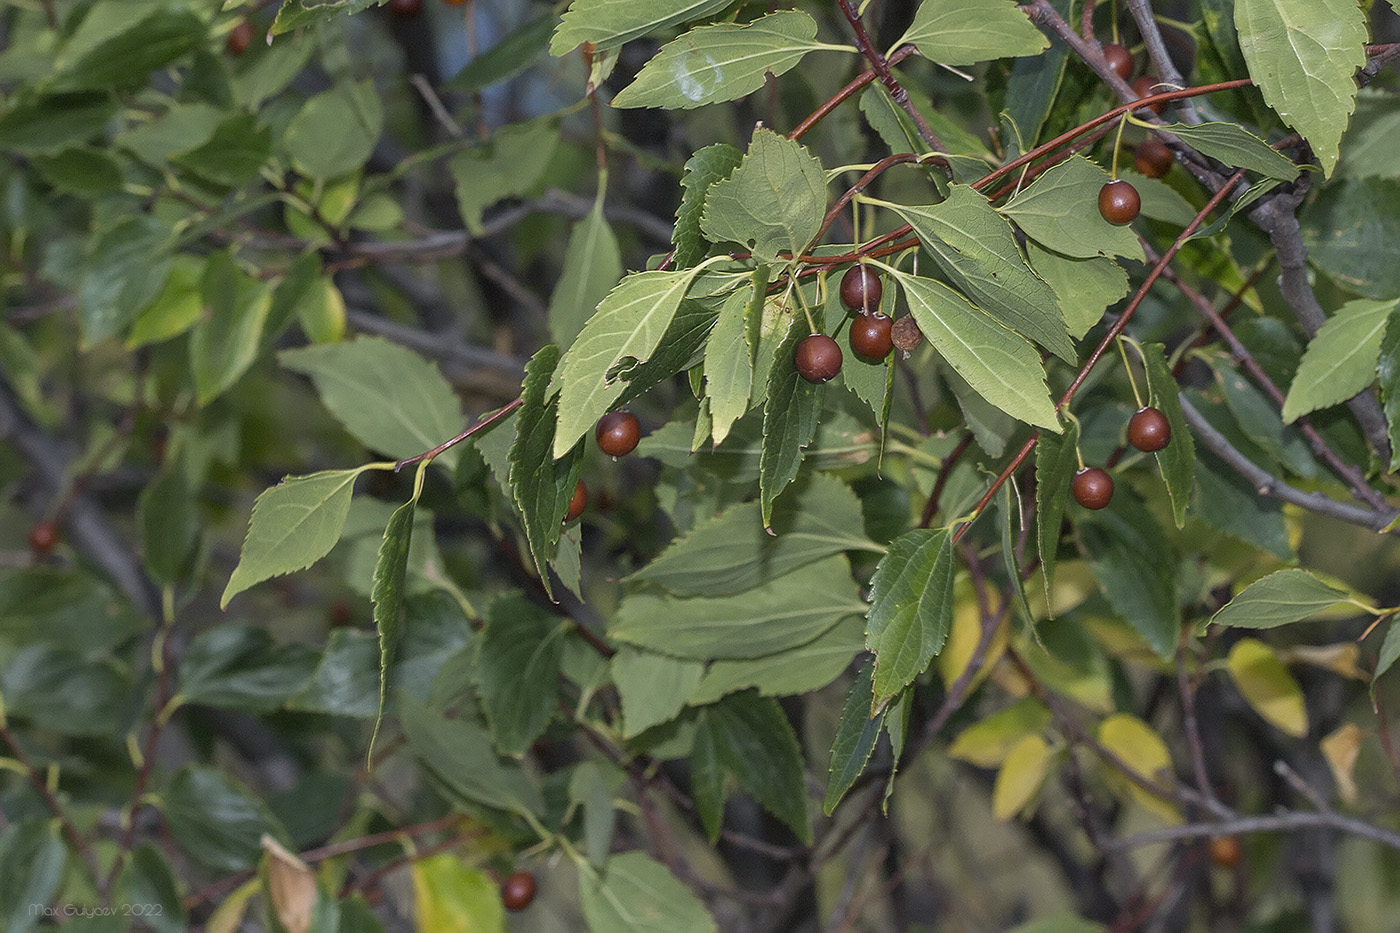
<point>54,122</point>
<point>125,269</point>
<point>789,422</point>
<point>1228,501</point>
<point>59,691</point>
<point>113,49</point>
<point>521,48</point>
<point>240,667</point>
<point>32,859</point>
<point>166,515</point>
<point>149,885</point>
<point>233,154</point>
<point>225,341</point>
<point>1281,598</point>
<point>1136,568</point>
<point>517,671</point>
<point>911,598</point>
<point>1177,460</point>
<point>461,756</point>
<point>1388,370</point>
<point>216,820</point>
<point>1353,236</point>
<point>855,737</point>
<point>390,571</point>
<point>1056,460</point>
<point>706,167</point>
<point>754,742</point>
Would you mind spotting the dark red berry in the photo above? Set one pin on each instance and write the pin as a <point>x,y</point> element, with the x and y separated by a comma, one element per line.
<point>1154,158</point>
<point>578,503</point>
<point>1149,430</point>
<point>870,336</point>
<point>43,536</point>
<point>341,615</point>
<point>405,9</point>
<point>1119,202</point>
<point>518,891</point>
<point>1119,59</point>
<point>1092,487</point>
<point>240,37</point>
<point>906,335</point>
<point>618,433</point>
<point>861,288</point>
<point>1225,851</point>
<point>1146,86</point>
<point>818,358</point>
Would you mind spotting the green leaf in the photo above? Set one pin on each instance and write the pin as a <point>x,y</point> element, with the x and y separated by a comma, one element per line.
<point>681,349</point>
<point>125,268</point>
<point>996,362</point>
<point>1223,499</point>
<point>461,756</point>
<point>754,741</point>
<point>293,525</point>
<point>449,896</point>
<point>731,552</point>
<point>1303,54</point>
<point>1390,651</point>
<point>1268,686</point>
<point>1059,210</point>
<point>786,673</point>
<point>1233,145</point>
<point>32,860</point>
<point>855,737</point>
<point>702,170</point>
<point>1022,773</point>
<point>517,671</point>
<point>772,203</point>
<point>1340,360</point>
<point>653,688</point>
<point>1135,567</point>
<point>986,742</point>
<point>166,516</point>
<point>148,881</point>
<point>1353,236</point>
<point>61,691</point>
<point>611,23</point>
<point>390,398</point>
<point>592,266</point>
<point>729,360</point>
<point>634,894</point>
<point>225,341</point>
<point>217,820</point>
<point>790,610</point>
<point>1388,371</point>
<point>710,64</point>
<point>1281,598</point>
<point>88,173</point>
<point>178,307</point>
<point>911,608</point>
<point>181,128</point>
<point>511,164</point>
<point>974,245</point>
<point>48,604</point>
<point>334,132</point>
<point>1056,460</point>
<point>233,154</point>
<point>1367,147</point>
<point>390,573</point>
<point>515,53</point>
<point>628,326</point>
<point>1177,460</point>
<point>113,50</point>
<point>1258,417</point>
<point>592,786</point>
<point>964,32</point>
<point>1034,83</point>
<point>297,14</point>
<point>237,666</point>
<point>49,123</point>
<point>1086,287</point>
<point>789,422</point>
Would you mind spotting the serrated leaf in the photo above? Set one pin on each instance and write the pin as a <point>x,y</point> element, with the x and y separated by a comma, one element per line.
<point>1235,146</point>
<point>731,552</point>
<point>786,673</point>
<point>390,573</point>
<point>911,596</point>
<point>855,737</point>
<point>789,423</point>
<point>225,341</point>
<point>517,671</point>
<point>702,170</point>
<point>1177,460</point>
<point>387,396</point>
<point>592,266</point>
<point>512,163</point>
<point>1135,566</point>
<point>1388,372</point>
<point>729,364</point>
<point>1341,359</point>
<point>653,687</point>
<point>293,525</point>
<point>1056,460</point>
<point>1086,287</point>
<point>996,362</point>
<point>628,324</point>
<point>1022,773</point>
<point>710,64</point>
<point>1281,598</point>
<point>788,611</point>
<point>634,894</point>
<point>611,23</point>
<point>1059,210</point>
<point>964,32</point>
<point>974,245</point>
<point>754,741</point>
<point>1268,686</point>
<point>1302,54</point>
<point>461,756</point>
<point>772,203</point>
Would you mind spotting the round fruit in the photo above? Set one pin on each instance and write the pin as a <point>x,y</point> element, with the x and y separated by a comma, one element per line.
<point>1119,59</point>
<point>1225,851</point>
<point>240,37</point>
<point>906,335</point>
<point>518,890</point>
<point>1149,430</point>
<point>818,358</point>
<point>1146,86</point>
<point>618,433</point>
<point>578,503</point>
<point>1154,158</point>
<point>861,288</point>
<point>1119,202</point>
<point>870,336</point>
<point>1092,487</point>
<point>43,536</point>
<point>405,9</point>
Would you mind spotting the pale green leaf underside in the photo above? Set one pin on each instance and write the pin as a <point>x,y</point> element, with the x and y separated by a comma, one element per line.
<point>1302,54</point>
<point>729,364</point>
<point>1059,210</point>
<point>1278,599</point>
<point>1086,287</point>
<point>1233,145</point>
<point>711,64</point>
<point>592,266</point>
<point>786,673</point>
<point>1341,360</point>
<point>294,524</point>
<point>634,894</point>
<point>774,201</point>
<point>390,574</point>
<point>964,32</point>
<point>610,23</point>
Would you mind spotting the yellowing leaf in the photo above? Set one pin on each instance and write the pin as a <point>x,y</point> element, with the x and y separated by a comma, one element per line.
<point>1268,686</point>
<point>1135,742</point>
<point>1020,776</point>
<point>450,897</point>
<point>963,636</point>
<point>229,915</point>
<point>1340,749</point>
<point>987,743</point>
